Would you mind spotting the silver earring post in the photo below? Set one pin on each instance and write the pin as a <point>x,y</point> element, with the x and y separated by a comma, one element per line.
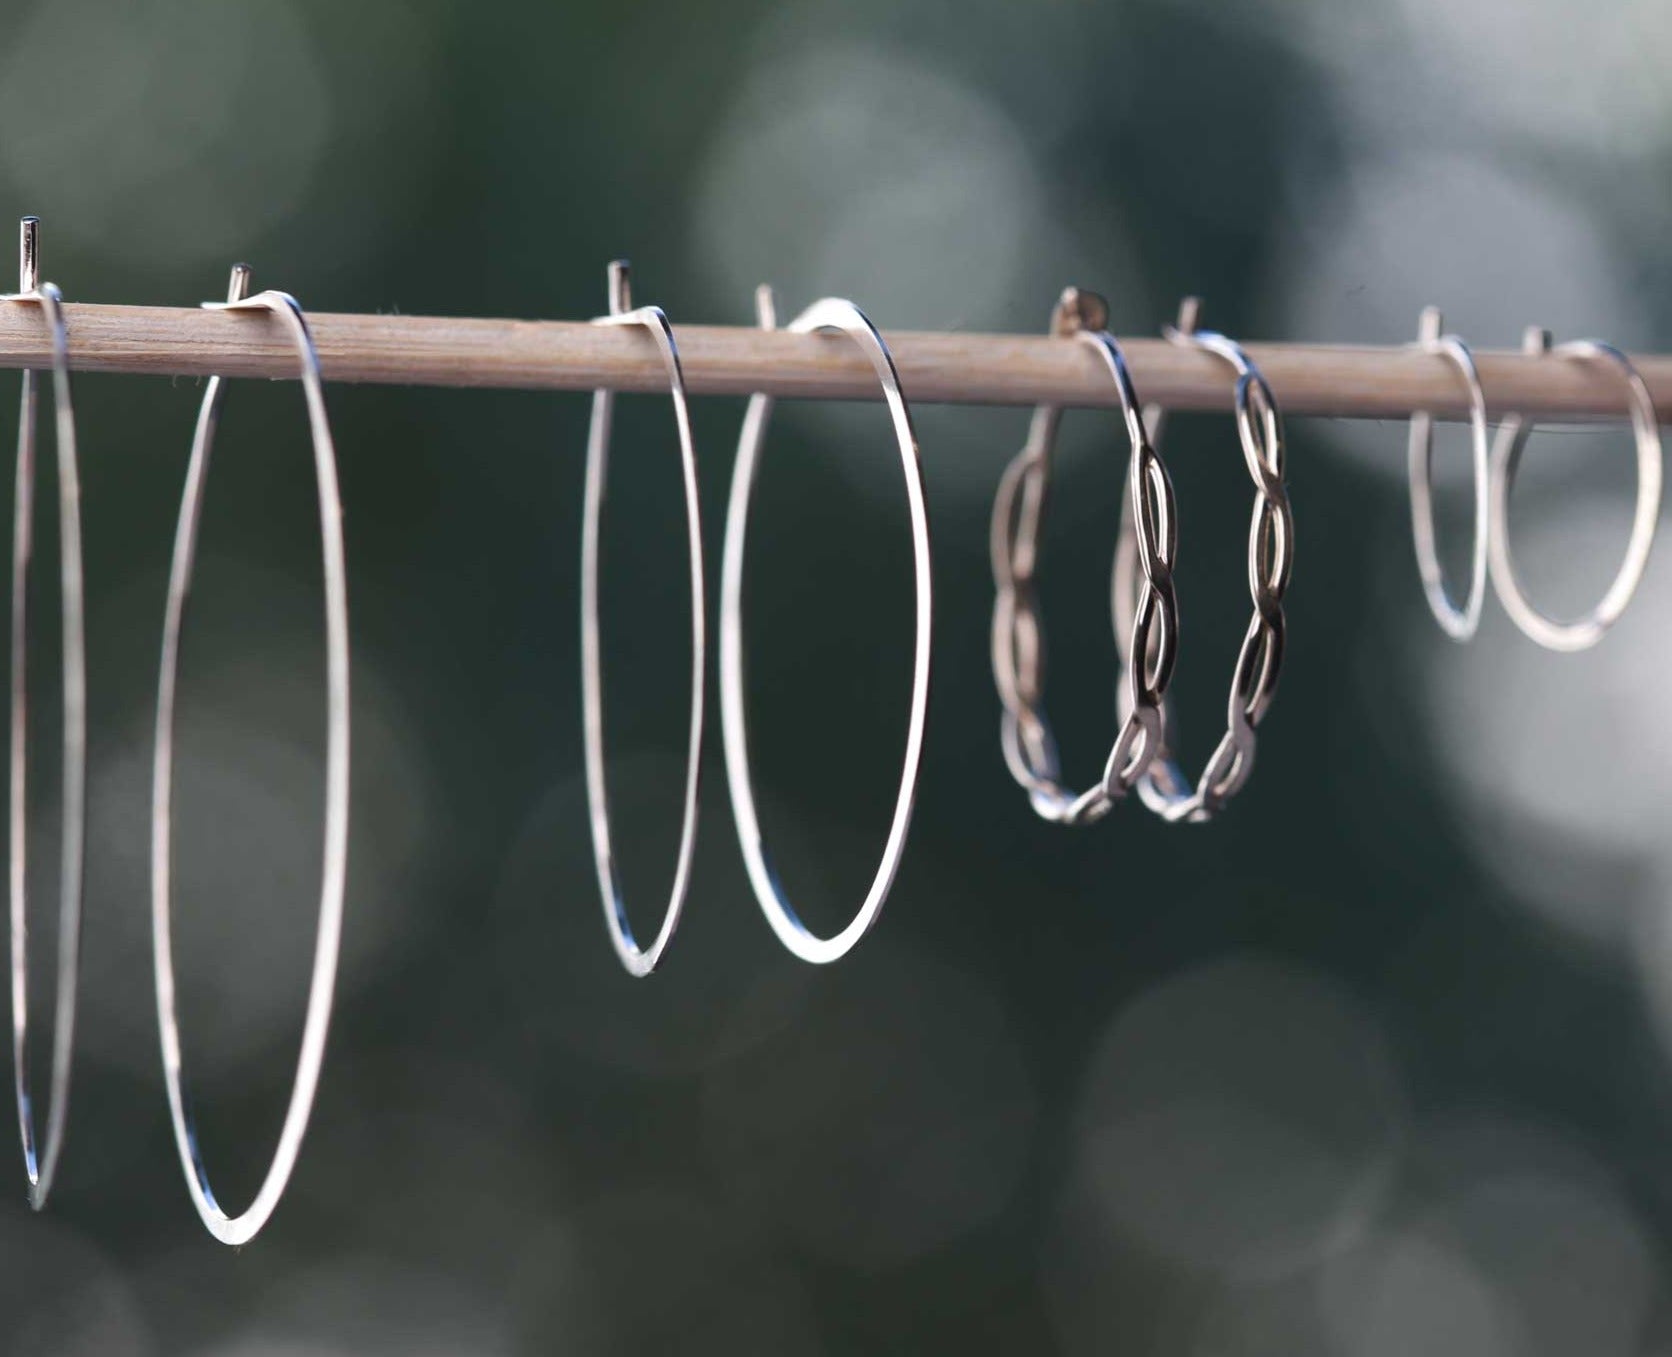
<point>637,960</point>
<point>1018,647</point>
<point>835,316</point>
<point>1163,788</point>
<point>239,1229</point>
<point>1584,632</point>
<point>40,1159</point>
<point>1459,623</point>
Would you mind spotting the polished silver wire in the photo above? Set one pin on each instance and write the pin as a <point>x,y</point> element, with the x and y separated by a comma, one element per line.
<point>1513,432</point>
<point>1164,788</point>
<point>40,1159</point>
<point>638,960</point>
<point>1459,623</point>
<point>322,984</point>
<point>1018,647</point>
<point>831,315</point>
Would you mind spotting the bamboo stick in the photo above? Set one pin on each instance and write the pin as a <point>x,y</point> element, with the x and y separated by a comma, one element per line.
<point>1308,379</point>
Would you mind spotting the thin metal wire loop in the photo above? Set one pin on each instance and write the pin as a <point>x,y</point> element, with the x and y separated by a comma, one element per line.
<point>1459,623</point>
<point>834,315</point>
<point>638,961</point>
<point>1585,631</point>
<point>1017,640</point>
<point>40,1158</point>
<point>1164,788</point>
<point>241,1228</point>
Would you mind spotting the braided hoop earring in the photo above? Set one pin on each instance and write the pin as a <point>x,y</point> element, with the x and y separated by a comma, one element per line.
<point>240,1229</point>
<point>638,961</point>
<point>1164,789</point>
<point>1513,432</point>
<point>831,315</point>
<point>1458,623</point>
<point>40,1161</point>
<point>1018,650</point>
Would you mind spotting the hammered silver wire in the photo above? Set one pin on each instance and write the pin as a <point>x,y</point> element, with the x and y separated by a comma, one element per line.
<point>240,1229</point>
<point>1583,632</point>
<point>40,1162</point>
<point>1458,623</point>
<point>1164,788</point>
<point>830,315</point>
<point>1017,640</point>
<point>638,961</point>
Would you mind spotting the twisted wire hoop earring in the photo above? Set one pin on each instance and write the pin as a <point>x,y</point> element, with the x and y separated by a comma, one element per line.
<point>240,1229</point>
<point>1164,789</point>
<point>1458,623</point>
<point>638,961</point>
<point>40,1161</point>
<point>1018,650</point>
<point>1584,632</point>
<point>831,315</point>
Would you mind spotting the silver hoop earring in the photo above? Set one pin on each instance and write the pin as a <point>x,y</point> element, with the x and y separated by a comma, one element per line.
<point>1511,441</point>
<point>1458,623</point>
<point>240,1229</point>
<point>1164,789</point>
<point>1029,747</point>
<point>638,961</point>
<point>41,1162</point>
<point>831,315</point>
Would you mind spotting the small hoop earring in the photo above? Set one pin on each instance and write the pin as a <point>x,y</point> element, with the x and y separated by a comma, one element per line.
<point>1513,432</point>
<point>322,984</point>
<point>831,315</point>
<point>638,961</point>
<point>1164,789</point>
<point>40,1162</point>
<point>1458,623</point>
<point>1029,746</point>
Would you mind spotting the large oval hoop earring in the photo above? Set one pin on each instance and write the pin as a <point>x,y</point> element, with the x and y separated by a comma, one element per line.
<point>1164,788</point>
<point>240,1229</point>
<point>40,1159</point>
<point>1018,648</point>
<point>831,315</point>
<point>1513,432</point>
<point>1459,623</point>
<point>639,961</point>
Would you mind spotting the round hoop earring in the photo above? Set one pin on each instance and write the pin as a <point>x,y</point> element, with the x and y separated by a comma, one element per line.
<point>1164,789</point>
<point>1458,623</point>
<point>40,1161</point>
<point>1513,432</point>
<point>638,961</point>
<point>1018,651</point>
<point>240,1229</point>
<point>831,315</point>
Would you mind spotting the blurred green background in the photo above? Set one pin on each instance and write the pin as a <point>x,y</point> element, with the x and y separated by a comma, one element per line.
<point>1375,1065</point>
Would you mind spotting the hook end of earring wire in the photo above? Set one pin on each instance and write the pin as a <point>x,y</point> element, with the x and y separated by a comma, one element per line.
<point>1535,341</point>
<point>1078,309</point>
<point>29,254</point>
<point>620,274</point>
<point>238,285</point>
<point>1430,324</point>
<point>766,307</point>
<point>1190,313</point>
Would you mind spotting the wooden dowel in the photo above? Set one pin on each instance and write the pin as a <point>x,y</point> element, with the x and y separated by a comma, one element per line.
<point>1308,379</point>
